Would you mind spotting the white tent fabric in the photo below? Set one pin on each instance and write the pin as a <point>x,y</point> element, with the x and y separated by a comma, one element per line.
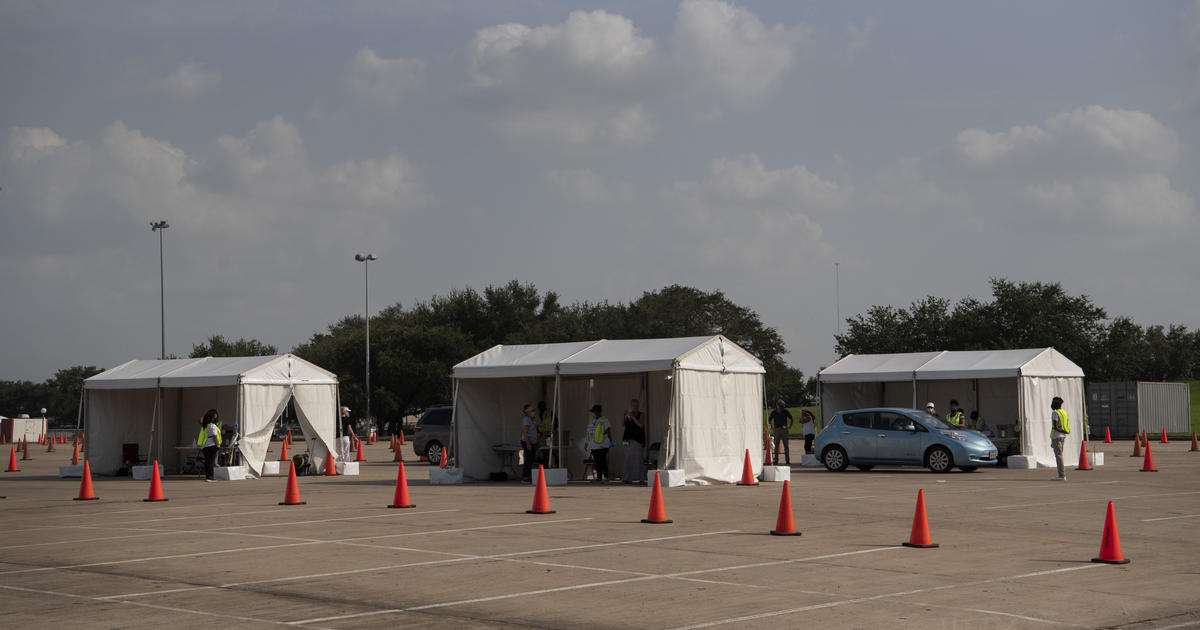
<point>702,397</point>
<point>1007,387</point>
<point>121,405</point>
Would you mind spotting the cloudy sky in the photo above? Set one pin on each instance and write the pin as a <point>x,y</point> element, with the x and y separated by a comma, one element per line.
<point>597,150</point>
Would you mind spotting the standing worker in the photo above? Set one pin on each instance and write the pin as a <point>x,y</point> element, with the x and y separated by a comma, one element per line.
<point>634,439</point>
<point>955,415</point>
<point>808,422</point>
<point>347,431</point>
<point>529,442</point>
<point>599,440</point>
<point>1060,428</point>
<point>209,441</point>
<point>930,409</point>
<point>781,425</point>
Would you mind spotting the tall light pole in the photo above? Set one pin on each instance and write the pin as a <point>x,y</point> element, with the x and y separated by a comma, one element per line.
<point>366,259</point>
<point>837,290</point>
<point>159,226</point>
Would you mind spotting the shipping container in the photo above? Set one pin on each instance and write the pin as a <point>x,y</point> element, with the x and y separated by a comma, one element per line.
<point>1128,408</point>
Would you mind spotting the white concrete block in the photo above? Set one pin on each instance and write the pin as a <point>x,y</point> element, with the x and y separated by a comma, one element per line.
<point>554,476</point>
<point>448,476</point>
<point>142,473</point>
<point>776,473</point>
<point>230,473</point>
<point>1096,459</point>
<point>270,468</point>
<point>1021,462</point>
<point>70,471</point>
<point>347,468</point>
<point>669,478</point>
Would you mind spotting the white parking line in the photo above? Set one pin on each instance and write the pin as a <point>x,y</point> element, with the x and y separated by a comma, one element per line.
<point>996,612</point>
<point>1132,496</point>
<point>1170,518</point>
<point>859,600</point>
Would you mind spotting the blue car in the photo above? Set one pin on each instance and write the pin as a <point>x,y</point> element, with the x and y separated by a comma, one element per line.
<point>865,438</point>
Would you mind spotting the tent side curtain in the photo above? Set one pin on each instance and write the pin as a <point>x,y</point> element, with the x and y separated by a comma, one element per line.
<point>316,409</point>
<point>720,416</point>
<point>117,417</point>
<point>1036,394</point>
<point>261,405</point>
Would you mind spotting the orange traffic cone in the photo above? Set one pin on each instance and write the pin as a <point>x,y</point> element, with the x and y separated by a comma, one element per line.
<point>402,438</point>
<point>1145,442</point>
<point>658,511</point>
<point>25,450</point>
<point>1195,444</point>
<point>1110,542</point>
<point>12,460</point>
<point>401,499</point>
<point>371,437</point>
<point>1163,439</point>
<point>1084,464</point>
<point>1148,462</point>
<point>49,445</point>
<point>392,442</point>
<point>289,436</point>
<point>399,455</point>
<point>85,485</point>
<point>330,464</point>
<point>283,456</point>
<point>292,495</point>
<point>442,458</point>
<point>747,472</point>
<point>1107,436</point>
<point>920,528</point>
<point>541,498</point>
<point>360,457</point>
<point>75,455</point>
<point>785,525</point>
<point>156,493</point>
<point>1137,447</point>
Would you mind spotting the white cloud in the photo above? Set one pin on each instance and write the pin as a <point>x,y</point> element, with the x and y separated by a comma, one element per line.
<point>743,215</point>
<point>189,81</point>
<point>860,38</point>
<point>586,187</point>
<point>384,82</point>
<point>270,160</point>
<point>390,182</point>
<point>28,144</point>
<point>727,50</point>
<point>621,128</point>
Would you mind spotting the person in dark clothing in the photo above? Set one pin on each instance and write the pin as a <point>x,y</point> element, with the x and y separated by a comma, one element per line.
<point>781,422</point>
<point>209,441</point>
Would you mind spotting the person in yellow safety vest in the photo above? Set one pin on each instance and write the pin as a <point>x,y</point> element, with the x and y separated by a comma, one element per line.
<point>1060,428</point>
<point>546,424</point>
<point>209,441</point>
<point>955,415</point>
<point>599,441</point>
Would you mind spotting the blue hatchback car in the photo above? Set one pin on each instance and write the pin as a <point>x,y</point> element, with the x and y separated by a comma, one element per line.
<point>865,438</point>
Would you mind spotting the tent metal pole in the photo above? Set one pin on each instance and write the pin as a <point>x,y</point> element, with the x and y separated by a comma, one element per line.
<point>555,426</point>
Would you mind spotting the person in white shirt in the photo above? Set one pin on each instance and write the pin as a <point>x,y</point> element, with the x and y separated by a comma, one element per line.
<point>808,422</point>
<point>209,441</point>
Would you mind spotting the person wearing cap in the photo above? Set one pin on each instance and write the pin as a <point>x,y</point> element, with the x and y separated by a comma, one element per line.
<point>347,431</point>
<point>955,415</point>
<point>209,441</point>
<point>599,440</point>
<point>781,426</point>
<point>1060,428</point>
<point>931,410</point>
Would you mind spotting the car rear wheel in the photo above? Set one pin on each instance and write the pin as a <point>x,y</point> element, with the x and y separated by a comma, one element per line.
<point>939,460</point>
<point>969,468</point>
<point>864,468</point>
<point>433,452</point>
<point>835,459</point>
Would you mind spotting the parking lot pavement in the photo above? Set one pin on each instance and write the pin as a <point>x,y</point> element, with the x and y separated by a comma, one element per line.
<point>1014,551</point>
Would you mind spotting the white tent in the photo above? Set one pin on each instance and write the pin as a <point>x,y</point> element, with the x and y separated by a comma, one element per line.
<point>158,404</point>
<point>702,397</point>
<point>1011,389</point>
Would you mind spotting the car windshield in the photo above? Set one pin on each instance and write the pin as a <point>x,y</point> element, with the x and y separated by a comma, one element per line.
<point>936,423</point>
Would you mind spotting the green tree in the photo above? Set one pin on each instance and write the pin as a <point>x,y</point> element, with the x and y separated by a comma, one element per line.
<point>218,346</point>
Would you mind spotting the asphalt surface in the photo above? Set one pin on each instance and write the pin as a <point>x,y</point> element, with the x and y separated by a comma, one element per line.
<point>1014,551</point>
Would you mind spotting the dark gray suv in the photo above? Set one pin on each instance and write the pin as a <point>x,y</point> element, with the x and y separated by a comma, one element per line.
<point>432,433</point>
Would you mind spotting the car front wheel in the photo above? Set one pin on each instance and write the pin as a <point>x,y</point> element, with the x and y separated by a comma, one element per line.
<point>433,452</point>
<point>835,459</point>
<point>939,460</point>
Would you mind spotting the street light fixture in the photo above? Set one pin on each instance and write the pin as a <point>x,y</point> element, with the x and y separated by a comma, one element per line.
<point>366,259</point>
<point>160,226</point>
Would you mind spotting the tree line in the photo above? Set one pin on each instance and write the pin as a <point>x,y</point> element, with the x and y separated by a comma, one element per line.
<point>1031,315</point>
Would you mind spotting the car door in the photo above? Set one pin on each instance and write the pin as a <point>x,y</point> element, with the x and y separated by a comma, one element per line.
<point>895,442</point>
<point>858,437</point>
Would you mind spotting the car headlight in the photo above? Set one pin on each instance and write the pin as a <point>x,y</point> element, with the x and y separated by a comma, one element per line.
<point>956,435</point>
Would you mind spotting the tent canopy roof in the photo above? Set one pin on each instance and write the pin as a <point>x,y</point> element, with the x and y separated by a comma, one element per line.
<point>282,369</point>
<point>948,365</point>
<point>609,356</point>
